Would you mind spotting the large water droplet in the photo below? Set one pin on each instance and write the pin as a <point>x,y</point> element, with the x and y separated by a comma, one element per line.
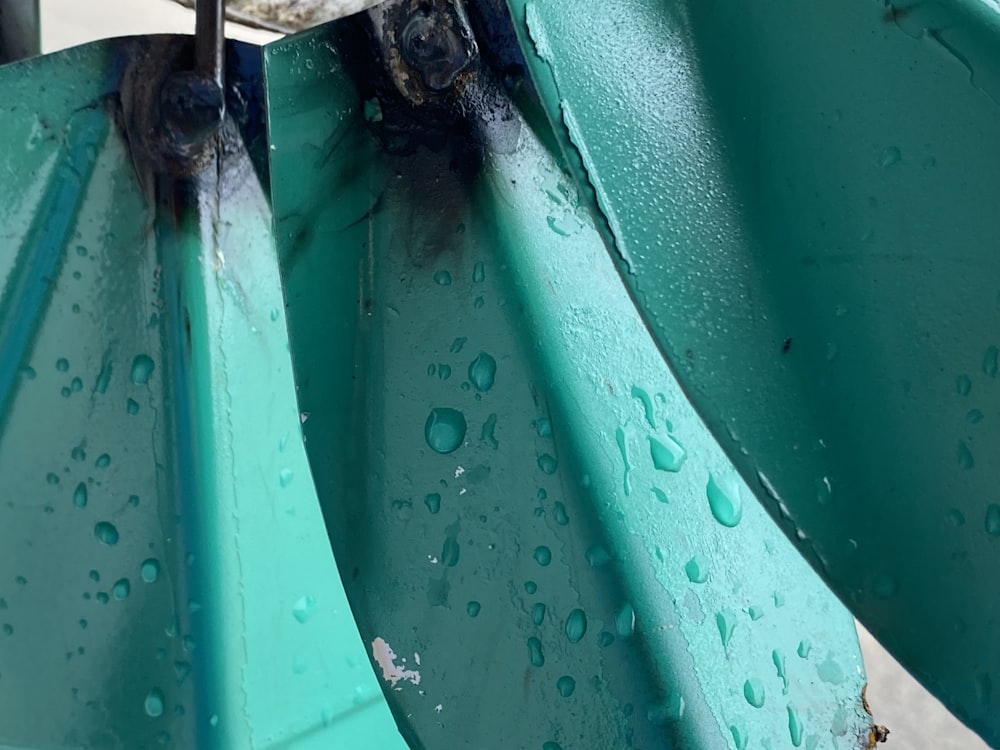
<point>660,495</point>
<point>830,672</point>
<point>724,500</point>
<point>542,555</point>
<point>304,608</point>
<point>535,652</point>
<point>804,648</point>
<point>778,659</point>
<point>565,685</point>
<point>433,502</point>
<point>442,278</point>
<point>121,589</point>
<point>725,621</point>
<point>154,703</point>
<point>551,746</point>
<point>963,384</point>
<point>740,736</point>
<point>753,691</point>
<point>697,569</point>
<point>559,514</point>
<point>473,608</point>
<point>993,520</point>
<point>150,570</point>
<point>576,625</point>
<point>106,533</point>
<point>625,620</point>
<point>597,556</point>
<point>80,495</point>
<point>890,156</point>
<point>547,463</point>
<point>445,429</point>
<point>62,364</point>
<point>142,369</point>
<point>450,551</point>
<point>794,727</point>
<point>990,364</point>
<point>483,372</point>
<point>965,458</point>
<point>668,455</point>
<point>478,273</point>
<point>103,461</point>
<point>538,613</point>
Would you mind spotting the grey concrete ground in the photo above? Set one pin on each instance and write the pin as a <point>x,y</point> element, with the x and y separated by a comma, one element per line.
<point>917,721</point>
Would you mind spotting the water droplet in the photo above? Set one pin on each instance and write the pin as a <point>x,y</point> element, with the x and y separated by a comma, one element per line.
<point>804,648</point>
<point>132,407</point>
<point>535,652</point>
<point>740,736</point>
<point>154,703</point>
<point>963,385</point>
<point>478,302</point>
<point>483,372</point>
<point>889,157</point>
<point>285,477</point>
<point>647,405</point>
<point>597,556</point>
<point>445,430</point>
<point>29,373</point>
<point>444,371</point>
<point>725,621</point>
<point>625,620</point>
<point>121,589</point>
<point>457,344</point>
<point>559,513</point>
<point>538,613</point>
<point>479,273</point>
<point>565,685</point>
<point>753,691</point>
<point>213,721</point>
<point>542,555</point>
<point>62,364</point>
<point>52,478</point>
<point>8,629</point>
<point>956,517</point>
<point>830,672</point>
<point>990,365</point>
<point>551,746</point>
<point>530,586</point>
<point>106,533</point>
<point>133,500</point>
<point>488,434</point>
<point>450,551</point>
<point>660,495</point>
<point>547,463</point>
<point>576,625</point>
<point>142,369</point>
<point>472,609</point>
<point>442,278</point>
<point>78,454</point>
<point>965,457</point>
<point>778,659</point>
<point>605,639</point>
<point>779,599</point>
<point>433,502</point>
<point>150,570</point>
<point>794,727</point>
<point>667,455</point>
<point>65,392</point>
<point>103,461</point>
<point>755,611</point>
<point>724,500</point>
<point>94,576</point>
<point>304,608</point>
<point>697,569</point>
<point>543,427</point>
<point>993,520</point>
<point>76,385</point>
<point>884,586</point>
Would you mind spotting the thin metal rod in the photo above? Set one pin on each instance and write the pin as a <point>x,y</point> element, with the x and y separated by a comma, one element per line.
<point>209,39</point>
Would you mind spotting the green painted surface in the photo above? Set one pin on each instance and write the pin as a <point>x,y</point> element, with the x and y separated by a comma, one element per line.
<point>165,577</point>
<point>802,201</point>
<point>526,511</point>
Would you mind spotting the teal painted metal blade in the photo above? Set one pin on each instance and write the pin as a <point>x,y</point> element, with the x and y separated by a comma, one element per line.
<point>543,545</point>
<point>801,202</point>
<point>165,579</point>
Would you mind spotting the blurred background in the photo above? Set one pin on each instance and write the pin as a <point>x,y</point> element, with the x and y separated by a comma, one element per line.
<point>915,719</point>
